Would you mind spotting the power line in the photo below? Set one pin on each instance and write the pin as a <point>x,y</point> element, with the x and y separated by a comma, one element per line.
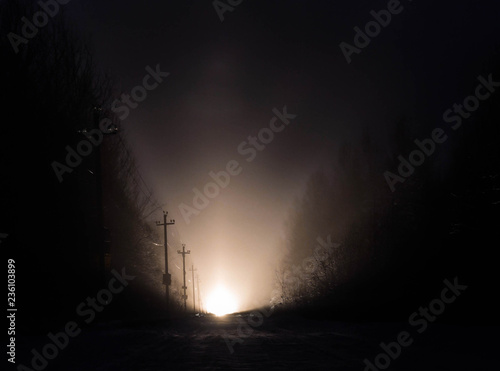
<point>192,282</point>
<point>184,287</point>
<point>167,278</point>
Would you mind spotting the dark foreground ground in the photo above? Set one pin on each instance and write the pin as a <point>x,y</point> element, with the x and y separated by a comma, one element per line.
<point>276,342</point>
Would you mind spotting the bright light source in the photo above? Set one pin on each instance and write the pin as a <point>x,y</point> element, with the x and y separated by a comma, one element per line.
<point>221,302</point>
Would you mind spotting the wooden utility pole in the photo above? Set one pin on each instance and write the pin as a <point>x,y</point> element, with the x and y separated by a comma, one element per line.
<point>199,300</point>
<point>167,278</point>
<point>192,280</point>
<point>184,252</point>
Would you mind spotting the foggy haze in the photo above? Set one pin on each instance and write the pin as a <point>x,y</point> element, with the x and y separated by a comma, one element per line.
<point>329,161</point>
<point>225,79</point>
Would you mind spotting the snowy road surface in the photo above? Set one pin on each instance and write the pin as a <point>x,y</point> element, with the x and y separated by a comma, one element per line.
<point>279,343</point>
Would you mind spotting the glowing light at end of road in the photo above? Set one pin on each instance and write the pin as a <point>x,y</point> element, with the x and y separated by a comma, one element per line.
<point>221,302</point>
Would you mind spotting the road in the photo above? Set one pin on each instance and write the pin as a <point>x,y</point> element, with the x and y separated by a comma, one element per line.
<point>274,342</point>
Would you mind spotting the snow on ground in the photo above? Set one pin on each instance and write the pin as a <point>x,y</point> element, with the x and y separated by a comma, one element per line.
<point>280,343</point>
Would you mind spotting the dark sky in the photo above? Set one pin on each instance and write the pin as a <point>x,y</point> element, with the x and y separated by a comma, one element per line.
<point>226,77</point>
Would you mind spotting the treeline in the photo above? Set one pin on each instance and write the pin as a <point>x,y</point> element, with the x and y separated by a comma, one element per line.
<point>67,237</point>
<point>357,250</point>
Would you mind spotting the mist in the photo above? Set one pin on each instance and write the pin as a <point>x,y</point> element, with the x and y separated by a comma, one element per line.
<point>329,169</point>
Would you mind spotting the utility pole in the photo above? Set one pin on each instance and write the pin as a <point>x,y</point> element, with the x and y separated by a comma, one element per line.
<point>184,252</point>
<point>199,300</point>
<point>192,280</point>
<point>167,278</point>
